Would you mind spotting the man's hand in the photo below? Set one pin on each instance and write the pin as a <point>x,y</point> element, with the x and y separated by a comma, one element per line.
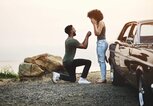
<point>88,33</point>
<point>84,44</point>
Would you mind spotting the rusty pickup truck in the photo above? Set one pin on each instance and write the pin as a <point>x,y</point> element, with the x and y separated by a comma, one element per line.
<point>131,59</point>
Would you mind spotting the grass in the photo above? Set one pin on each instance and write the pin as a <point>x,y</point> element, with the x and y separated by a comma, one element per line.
<point>7,72</point>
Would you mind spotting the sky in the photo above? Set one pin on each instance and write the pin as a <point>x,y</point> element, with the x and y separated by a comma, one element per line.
<point>32,27</point>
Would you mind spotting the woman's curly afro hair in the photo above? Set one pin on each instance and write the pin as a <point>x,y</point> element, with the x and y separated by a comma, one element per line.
<point>96,14</point>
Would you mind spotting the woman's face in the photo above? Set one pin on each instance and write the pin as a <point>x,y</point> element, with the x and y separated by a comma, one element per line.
<point>93,21</point>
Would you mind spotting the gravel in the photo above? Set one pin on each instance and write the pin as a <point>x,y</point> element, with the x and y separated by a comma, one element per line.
<point>66,94</point>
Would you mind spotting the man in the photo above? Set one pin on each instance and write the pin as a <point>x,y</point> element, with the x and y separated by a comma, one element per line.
<point>69,62</point>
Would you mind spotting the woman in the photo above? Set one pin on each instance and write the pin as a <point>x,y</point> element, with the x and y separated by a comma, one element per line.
<point>96,18</point>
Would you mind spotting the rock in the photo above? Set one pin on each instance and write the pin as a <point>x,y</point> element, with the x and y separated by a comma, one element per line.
<point>29,70</point>
<point>46,62</point>
<point>37,66</point>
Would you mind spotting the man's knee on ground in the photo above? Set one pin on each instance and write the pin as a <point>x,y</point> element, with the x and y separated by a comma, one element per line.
<point>73,80</point>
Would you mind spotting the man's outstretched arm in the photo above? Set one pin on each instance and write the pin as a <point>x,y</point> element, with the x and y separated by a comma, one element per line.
<point>84,44</point>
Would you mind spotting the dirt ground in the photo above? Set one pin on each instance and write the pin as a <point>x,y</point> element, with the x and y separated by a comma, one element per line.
<point>45,93</point>
<point>92,76</point>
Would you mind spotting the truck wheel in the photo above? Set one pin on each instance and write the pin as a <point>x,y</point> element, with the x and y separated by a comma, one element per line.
<point>117,78</point>
<point>144,93</point>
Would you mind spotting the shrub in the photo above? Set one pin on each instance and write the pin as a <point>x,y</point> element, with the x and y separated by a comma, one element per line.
<point>7,72</point>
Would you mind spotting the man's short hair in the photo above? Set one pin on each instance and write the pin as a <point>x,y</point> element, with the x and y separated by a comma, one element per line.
<point>68,29</point>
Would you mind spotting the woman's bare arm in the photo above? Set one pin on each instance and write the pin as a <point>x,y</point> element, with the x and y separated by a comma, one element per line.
<point>97,26</point>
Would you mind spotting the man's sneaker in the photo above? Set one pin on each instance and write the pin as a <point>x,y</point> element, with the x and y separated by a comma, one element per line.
<point>83,81</point>
<point>55,77</point>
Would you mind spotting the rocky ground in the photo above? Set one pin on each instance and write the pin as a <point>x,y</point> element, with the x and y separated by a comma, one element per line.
<point>45,93</point>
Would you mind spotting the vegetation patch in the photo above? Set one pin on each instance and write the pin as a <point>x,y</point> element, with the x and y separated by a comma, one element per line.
<point>7,72</point>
